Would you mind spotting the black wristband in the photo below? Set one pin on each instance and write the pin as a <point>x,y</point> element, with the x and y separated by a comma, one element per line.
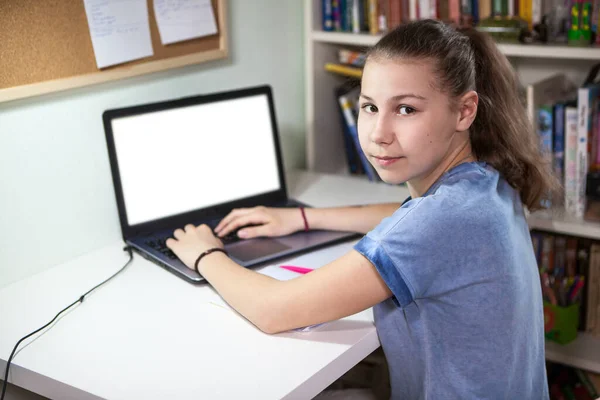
<point>207,252</point>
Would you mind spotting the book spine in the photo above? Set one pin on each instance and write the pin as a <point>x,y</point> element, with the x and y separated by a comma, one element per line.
<point>595,14</point>
<point>466,13</point>
<point>593,292</point>
<point>583,121</point>
<point>382,16</point>
<point>454,10</point>
<point>424,9</point>
<point>510,8</point>
<point>497,8</point>
<point>597,22</point>
<point>594,139</point>
<point>327,15</point>
<point>356,16</point>
<point>585,31</point>
<point>544,128</point>
<point>337,15</point>
<point>536,11</point>
<point>405,11</point>
<point>485,9</point>
<point>475,11</point>
<point>373,17</point>
<point>570,159</point>
<point>395,7</point>
<point>433,9</point>
<point>346,106</point>
<point>559,141</point>
<point>412,10</point>
<point>525,11</point>
<point>345,21</point>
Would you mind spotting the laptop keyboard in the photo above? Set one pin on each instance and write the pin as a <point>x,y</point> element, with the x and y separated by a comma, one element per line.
<point>161,246</point>
<point>160,243</point>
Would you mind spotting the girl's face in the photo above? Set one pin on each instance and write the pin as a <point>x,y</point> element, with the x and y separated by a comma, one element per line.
<point>407,127</point>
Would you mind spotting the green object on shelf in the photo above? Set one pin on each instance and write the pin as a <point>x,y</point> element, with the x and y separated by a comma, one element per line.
<point>573,35</point>
<point>585,29</point>
<point>560,323</point>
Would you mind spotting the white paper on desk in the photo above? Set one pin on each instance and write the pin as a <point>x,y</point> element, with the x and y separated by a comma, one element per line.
<point>279,273</point>
<point>180,20</point>
<point>119,29</point>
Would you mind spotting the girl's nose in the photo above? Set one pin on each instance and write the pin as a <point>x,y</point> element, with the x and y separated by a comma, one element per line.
<point>383,132</point>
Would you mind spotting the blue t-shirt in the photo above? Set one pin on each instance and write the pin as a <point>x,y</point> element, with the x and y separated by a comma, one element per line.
<point>466,317</point>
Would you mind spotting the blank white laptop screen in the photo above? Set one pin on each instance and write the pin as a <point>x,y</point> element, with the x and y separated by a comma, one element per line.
<point>178,160</point>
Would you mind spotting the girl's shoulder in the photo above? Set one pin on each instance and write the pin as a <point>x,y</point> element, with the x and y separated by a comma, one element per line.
<point>469,192</point>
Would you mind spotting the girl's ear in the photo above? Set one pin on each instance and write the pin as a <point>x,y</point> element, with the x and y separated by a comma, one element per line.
<point>467,107</point>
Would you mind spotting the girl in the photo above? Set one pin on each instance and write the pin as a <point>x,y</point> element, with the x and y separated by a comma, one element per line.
<point>451,272</point>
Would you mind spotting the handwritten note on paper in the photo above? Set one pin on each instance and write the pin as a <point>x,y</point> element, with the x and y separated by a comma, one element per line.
<point>180,20</point>
<point>120,30</point>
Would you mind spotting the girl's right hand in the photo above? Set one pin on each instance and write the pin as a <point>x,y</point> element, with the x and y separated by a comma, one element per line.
<point>269,221</point>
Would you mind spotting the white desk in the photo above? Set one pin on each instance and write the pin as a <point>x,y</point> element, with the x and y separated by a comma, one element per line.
<point>150,335</point>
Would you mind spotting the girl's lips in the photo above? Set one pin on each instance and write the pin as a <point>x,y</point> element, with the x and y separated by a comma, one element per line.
<point>385,161</point>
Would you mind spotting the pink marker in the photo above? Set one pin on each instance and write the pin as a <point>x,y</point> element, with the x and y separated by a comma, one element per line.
<point>300,270</point>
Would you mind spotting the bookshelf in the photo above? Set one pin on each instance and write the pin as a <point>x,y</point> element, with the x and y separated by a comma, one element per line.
<point>325,148</point>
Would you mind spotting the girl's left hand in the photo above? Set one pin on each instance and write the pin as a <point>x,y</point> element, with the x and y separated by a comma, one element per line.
<point>192,241</point>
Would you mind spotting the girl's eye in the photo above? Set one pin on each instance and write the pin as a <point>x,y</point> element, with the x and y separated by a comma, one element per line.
<point>369,108</point>
<point>405,110</point>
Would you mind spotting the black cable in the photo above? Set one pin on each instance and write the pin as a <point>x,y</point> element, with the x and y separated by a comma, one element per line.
<point>79,300</point>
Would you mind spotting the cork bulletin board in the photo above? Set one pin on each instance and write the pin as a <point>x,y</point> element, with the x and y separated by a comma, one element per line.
<point>45,47</point>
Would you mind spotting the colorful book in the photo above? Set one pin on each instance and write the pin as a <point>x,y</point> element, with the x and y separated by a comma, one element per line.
<point>545,130</point>
<point>327,12</point>
<point>558,115</point>
<point>424,9</point>
<point>346,104</point>
<point>352,157</point>
<point>395,13</point>
<point>373,16</point>
<point>570,159</point>
<point>356,16</point>
<point>336,10</point>
<point>526,11</point>
<point>587,98</point>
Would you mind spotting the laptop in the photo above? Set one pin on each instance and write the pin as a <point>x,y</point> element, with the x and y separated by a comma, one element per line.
<point>193,160</point>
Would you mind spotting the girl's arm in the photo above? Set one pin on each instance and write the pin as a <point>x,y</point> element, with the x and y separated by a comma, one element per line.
<point>283,221</point>
<point>360,219</point>
<point>339,289</point>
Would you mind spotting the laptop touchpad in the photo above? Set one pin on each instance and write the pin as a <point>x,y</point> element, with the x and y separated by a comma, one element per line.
<point>255,248</point>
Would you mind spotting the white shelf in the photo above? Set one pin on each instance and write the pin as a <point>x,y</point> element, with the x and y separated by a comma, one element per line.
<point>565,224</point>
<point>550,51</point>
<point>583,352</point>
<point>510,50</point>
<point>351,39</point>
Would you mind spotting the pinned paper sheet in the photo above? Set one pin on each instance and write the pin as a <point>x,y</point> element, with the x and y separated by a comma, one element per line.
<point>180,20</point>
<point>120,30</point>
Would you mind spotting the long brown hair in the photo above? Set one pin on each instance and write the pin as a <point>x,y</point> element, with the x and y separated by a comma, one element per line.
<point>501,133</point>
